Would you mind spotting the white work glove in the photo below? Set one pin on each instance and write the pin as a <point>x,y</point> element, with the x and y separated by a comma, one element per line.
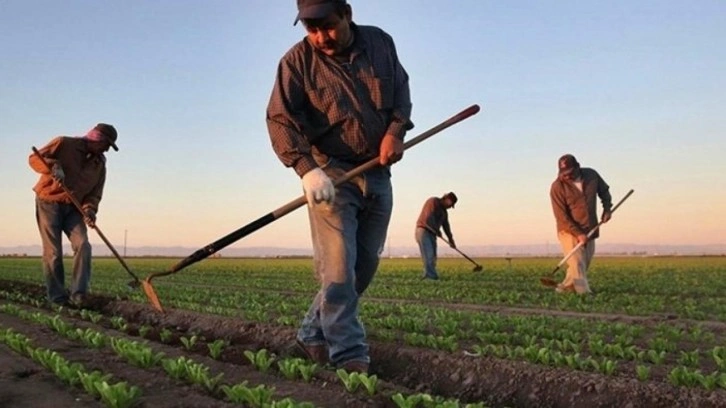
<point>57,172</point>
<point>89,217</point>
<point>318,187</point>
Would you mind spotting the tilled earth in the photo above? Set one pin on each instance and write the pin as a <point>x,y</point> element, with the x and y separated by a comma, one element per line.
<point>401,368</point>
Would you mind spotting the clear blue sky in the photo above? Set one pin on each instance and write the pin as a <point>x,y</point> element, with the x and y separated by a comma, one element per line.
<point>635,89</point>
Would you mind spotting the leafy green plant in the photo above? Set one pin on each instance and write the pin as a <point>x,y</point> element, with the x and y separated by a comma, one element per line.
<point>689,358</point>
<point>261,359</point>
<point>289,403</point>
<point>575,362</point>
<point>216,347</point>
<point>144,330</point>
<point>660,344</point>
<point>137,354</point>
<point>189,342</point>
<point>710,381</point>
<point>351,381</point>
<point>642,372</point>
<point>409,401</point>
<point>289,367</point>
<point>91,338</point>
<point>89,380</point>
<point>119,395</point>
<point>655,357</point>
<point>176,368</point>
<point>119,323</point>
<point>90,315</point>
<point>165,335</point>
<point>17,341</point>
<point>59,325</point>
<point>719,356</point>
<point>67,372</point>
<point>198,373</point>
<point>608,366</point>
<point>681,376</point>
<point>370,382</point>
<point>257,397</point>
<point>307,371</point>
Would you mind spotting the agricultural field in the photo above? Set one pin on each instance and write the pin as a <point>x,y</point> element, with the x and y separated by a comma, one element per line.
<point>653,335</point>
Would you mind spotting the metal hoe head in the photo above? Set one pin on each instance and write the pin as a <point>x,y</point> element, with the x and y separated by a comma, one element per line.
<point>477,268</point>
<point>151,294</point>
<point>549,280</point>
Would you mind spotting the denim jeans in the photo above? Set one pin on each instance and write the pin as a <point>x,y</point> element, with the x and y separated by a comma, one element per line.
<point>53,220</point>
<point>348,237</point>
<point>427,245</point>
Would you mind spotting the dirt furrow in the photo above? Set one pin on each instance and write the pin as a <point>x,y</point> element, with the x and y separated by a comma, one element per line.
<point>453,375</point>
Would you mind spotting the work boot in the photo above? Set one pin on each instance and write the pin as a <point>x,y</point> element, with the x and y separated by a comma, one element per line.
<point>313,352</point>
<point>355,366</point>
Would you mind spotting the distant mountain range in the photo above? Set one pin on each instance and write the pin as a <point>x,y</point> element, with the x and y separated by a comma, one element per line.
<point>472,251</point>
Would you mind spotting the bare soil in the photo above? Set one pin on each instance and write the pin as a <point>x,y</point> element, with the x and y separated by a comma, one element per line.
<point>402,369</point>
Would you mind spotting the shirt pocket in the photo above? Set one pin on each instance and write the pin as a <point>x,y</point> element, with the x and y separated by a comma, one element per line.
<point>328,104</point>
<point>382,92</point>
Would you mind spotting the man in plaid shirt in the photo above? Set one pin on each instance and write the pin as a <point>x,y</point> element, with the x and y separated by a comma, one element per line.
<point>341,98</point>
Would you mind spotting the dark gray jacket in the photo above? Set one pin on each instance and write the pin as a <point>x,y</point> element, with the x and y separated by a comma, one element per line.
<point>575,210</point>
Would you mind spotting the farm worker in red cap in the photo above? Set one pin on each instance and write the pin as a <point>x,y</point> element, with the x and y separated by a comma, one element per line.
<point>433,217</point>
<point>341,98</point>
<point>574,203</point>
<point>80,164</point>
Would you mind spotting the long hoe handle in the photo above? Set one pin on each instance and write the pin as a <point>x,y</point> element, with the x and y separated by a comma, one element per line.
<point>477,267</point>
<point>289,207</point>
<point>589,234</point>
<point>77,204</point>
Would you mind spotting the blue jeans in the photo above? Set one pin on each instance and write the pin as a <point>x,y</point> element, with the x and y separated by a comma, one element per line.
<point>53,220</point>
<point>427,244</point>
<point>348,238</point>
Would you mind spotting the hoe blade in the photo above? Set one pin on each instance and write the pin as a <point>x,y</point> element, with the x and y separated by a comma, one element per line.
<point>151,295</point>
<point>549,282</point>
<point>477,268</point>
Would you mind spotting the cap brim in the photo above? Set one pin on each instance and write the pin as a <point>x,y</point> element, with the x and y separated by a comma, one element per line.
<point>114,146</point>
<point>316,11</point>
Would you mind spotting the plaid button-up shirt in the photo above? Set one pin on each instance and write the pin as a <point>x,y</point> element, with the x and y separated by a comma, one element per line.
<point>321,108</point>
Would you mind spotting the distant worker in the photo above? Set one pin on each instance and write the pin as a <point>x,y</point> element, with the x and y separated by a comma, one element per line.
<point>574,202</point>
<point>79,164</point>
<point>433,217</point>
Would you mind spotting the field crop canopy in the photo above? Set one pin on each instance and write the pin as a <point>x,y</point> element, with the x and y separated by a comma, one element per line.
<point>653,334</point>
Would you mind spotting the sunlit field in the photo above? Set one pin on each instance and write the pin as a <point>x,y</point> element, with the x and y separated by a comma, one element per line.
<point>686,287</point>
<point>652,334</point>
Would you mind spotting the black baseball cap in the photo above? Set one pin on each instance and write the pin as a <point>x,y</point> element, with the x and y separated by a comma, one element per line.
<point>315,8</point>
